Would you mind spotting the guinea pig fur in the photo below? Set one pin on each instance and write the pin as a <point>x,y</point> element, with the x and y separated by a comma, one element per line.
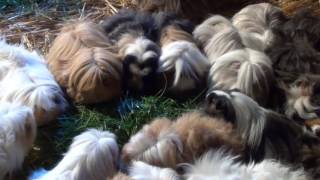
<point>142,171</point>
<point>314,125</point>
<point>27,81</point>
<point>182,141</point>
<point>302,98</point>
<point>85,63</point>
<point>92,155</point>
<point>208,28</point>
<point>294,57</point>
<point>134,34</point>
<point>221,165</point>
<point>247,70</point>
<point>304,23</point>
<point>218,36</point>
<point>18,132</point>
<point>266,134</point>
<point>182,62</point>
<point>260,20</point>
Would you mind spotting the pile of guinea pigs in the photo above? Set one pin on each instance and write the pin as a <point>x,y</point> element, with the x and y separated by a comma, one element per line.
<point>260,117</point>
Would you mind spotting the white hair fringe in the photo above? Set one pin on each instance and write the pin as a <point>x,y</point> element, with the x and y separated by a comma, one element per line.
<point>142,171</point>
<point>218,36</point>
<point>17,134</point>
<point>25,79</point>
<point>258,20</point>
<point>221,165</point>
<point>139,48</point>
<point>187,61</point>
<point>92,155</point>
<point>248,70</point>
<point>207,29</point>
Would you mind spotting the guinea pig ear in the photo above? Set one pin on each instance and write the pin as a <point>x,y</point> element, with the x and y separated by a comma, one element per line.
<point>183,168</point>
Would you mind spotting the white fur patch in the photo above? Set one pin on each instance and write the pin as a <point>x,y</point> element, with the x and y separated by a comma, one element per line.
<point>258,19</point>
<point>221,93</point>
<point>17,134</point>
<point>26,80</point>
<point>315,128</point>
<point>251,118</point>
<point>142,171</point>
<point>204,32</point>
<point>139,49</point>
<point>186,60</point>
<point>219,165</point>
<point>248,70</point>
<point>92,155</point>
<point>299,103</point>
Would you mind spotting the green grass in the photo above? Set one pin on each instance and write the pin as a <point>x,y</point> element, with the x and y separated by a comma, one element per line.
<point>123,125</point>
<point>34,5</point>
<point>19,2</point>
<point>54,140</point>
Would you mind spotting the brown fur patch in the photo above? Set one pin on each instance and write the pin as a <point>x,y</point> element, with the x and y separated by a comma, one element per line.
<point>124,41</point>
<point>200,133</point>
<point>186,140</point>
<point>312,122</point>
<point>174,33</point>
<point>85,64</point>
<point>150,132</point>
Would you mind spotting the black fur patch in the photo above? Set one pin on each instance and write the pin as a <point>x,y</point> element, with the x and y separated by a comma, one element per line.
<point>164,19</point>
<point>294,57</point>
<point>280,137</point>
<point>130,21</point>
<point>220,106</point>
<point>148,81</point>
<point>303,23</point>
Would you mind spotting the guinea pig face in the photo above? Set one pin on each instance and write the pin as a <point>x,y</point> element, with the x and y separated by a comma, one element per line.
<point>218,104</point>
<point>140,66</point>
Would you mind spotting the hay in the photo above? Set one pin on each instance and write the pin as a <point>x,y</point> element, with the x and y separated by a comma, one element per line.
<point>37,27</point>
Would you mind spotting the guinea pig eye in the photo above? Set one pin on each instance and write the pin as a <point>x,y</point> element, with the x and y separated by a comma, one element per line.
<point>145,71</point>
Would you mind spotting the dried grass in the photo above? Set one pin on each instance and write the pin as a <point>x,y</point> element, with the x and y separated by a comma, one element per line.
<point>37,28</point>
